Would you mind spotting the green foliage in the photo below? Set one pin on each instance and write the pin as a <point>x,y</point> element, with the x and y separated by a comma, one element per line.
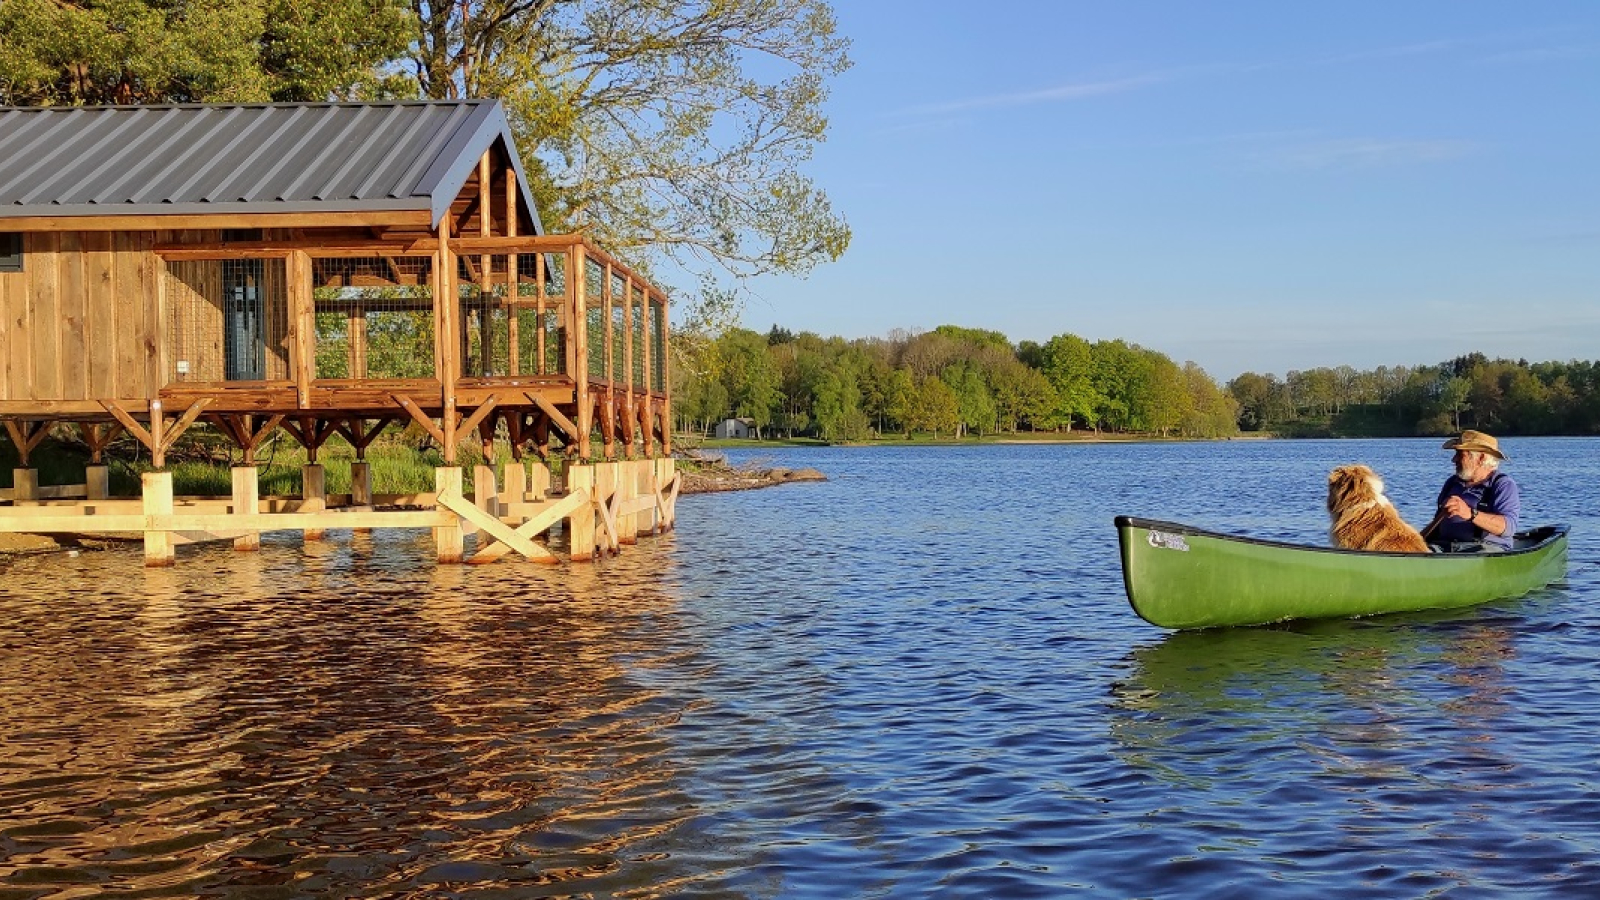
<point>951,381</point>
<point>157,51</point>
<point>1471,391</point>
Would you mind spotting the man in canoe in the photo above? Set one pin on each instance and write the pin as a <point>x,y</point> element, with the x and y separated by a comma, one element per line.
<point>1479,505</point>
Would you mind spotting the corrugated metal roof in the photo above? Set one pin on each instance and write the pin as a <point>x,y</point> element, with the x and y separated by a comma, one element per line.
<point>263,158</point>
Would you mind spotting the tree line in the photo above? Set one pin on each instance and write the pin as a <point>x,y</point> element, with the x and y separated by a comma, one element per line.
<point>1499,396</point>
<point>951,381</point>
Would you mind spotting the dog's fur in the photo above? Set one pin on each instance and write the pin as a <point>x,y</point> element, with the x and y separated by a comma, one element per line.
<point>1363,518</point>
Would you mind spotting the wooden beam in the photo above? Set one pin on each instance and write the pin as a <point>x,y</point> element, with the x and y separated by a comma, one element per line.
<point>26,436</point>
<point>478,415</point>
<point>556,418</point>
<point>418,416</point>
<point>505,535</point>
<point>553,513</point>
<point>128,422</point>
<point>170,437</point>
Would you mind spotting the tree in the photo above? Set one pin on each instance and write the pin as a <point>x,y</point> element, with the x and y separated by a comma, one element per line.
<point>935,408</point>
<point>1069,364</point>
<point>750,376</point>
<point>229,51</point>
<point>974,406</point>
<point>676,128</point>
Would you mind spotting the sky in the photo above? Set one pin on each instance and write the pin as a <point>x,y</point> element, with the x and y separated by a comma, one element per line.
<point>1251,186</point>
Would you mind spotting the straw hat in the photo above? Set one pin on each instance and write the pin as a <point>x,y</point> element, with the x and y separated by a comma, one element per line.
<point>1475,442</point>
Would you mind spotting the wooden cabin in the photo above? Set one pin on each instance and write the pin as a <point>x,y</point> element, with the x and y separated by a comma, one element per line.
<point>324,268</point>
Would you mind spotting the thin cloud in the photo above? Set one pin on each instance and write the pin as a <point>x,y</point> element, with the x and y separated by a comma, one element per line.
<point>1544,54</point>
<point>1059,94</point>
<point>1366,153</point>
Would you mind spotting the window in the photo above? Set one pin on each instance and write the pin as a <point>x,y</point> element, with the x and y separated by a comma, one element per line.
<point>10,253</point>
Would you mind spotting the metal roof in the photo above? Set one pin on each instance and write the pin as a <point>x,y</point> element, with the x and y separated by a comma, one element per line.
<point>247,158</point>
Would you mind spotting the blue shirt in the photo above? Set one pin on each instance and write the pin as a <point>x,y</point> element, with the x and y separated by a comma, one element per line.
<point>1497,494</point>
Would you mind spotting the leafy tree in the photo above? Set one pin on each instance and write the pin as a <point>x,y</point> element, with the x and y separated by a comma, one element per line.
<point>899,399</point>
<point>750,376</point>
<point>975,408</point>
<point>54,52</point>
<point>935,408</point>
<point>1069,365</point>
<point>659,127</point>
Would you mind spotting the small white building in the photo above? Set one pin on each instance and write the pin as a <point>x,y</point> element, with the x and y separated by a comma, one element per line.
<point>735,428</point>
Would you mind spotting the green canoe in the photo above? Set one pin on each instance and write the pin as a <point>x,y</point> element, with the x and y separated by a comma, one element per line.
<point>1183,577</point>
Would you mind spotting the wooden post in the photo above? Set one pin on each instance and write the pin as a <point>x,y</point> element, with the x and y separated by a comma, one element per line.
<point>580,525</point>
<point>538,481</point>
<point>314,496</point>
<point>628,487</point>
<point>513,280</point>
<point>303,322</point>
<point>666,387</point>
<point>247,502</point>
<point>516,482</point>
<point>628,350</point>
<point>484,494</point>
<point>158,436</point>
<point>447,338</point>
<point>361,488</point>
<point>449,544</point>
<point>97,482</point>
<point>578,307</point>
<point>158,546</point>
<point>25,487</point>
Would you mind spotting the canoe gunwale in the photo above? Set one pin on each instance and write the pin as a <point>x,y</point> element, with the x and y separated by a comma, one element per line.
<point>1545,533</point>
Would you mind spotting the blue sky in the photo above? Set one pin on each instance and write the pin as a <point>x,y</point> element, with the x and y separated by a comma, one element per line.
<point>1254,186</point>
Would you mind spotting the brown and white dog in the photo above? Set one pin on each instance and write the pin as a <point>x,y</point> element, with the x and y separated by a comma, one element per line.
<point>1363,518</point>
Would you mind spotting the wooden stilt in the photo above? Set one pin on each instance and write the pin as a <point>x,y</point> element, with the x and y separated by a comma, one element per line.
<point>314,496</point>
<point>515,487</point>
<point>580,524</point>
<point>97,482</point>
<point>158,545</point>
<point>538,481</point>
<point>484,493</point>
<point>247,502</point>
<point>448,542</point>
<point>24,487</point>
<point>361,488</point>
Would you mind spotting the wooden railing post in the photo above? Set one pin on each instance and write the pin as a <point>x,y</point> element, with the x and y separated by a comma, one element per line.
<point>578,310</point>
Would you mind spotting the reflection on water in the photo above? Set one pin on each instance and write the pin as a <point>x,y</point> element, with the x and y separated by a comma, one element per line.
<point>339,721</point>
<point>919,679</point>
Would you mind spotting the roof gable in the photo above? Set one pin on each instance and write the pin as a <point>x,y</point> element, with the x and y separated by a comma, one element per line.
<point>249,158</point>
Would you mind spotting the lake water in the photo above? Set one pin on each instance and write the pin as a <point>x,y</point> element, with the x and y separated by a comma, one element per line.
<point>918,679</point>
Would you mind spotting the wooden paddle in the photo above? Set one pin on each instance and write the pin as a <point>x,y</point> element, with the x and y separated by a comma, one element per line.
<point>1437,520</point>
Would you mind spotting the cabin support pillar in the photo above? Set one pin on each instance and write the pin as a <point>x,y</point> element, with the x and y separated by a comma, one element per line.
<point>158,544</point>
<point>449,543</point>
<point>314,496</point>
<point>538,481</point>
<point>361,488</point>
<point>97,482</point>
<point>580,525</point>
<point>25,487</point>
<point>247,502</point>
<point>485,495</point>
<point>516,482</point>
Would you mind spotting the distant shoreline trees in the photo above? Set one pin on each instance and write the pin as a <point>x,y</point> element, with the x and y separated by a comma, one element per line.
<point>950,382</point>
<point>1498,396</point>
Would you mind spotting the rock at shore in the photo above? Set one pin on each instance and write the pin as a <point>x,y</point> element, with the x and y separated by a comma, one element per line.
<point>711,477</point>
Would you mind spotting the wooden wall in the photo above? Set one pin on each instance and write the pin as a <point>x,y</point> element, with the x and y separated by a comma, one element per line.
<point>84,319</point>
